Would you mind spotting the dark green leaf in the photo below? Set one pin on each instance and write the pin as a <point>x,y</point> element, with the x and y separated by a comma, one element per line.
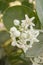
<point>4,61</point>
<point>3,6</point>
<point>2,53</point>
<point>14,56</point>
<point>28,4</point>
<point>7,1</point>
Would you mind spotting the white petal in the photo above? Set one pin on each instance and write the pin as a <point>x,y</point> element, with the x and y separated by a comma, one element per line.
<point>17,33</point>
<point>30,46</point>
<point>26,16</point>
<point>23,35</point>
<point>14,32</point>
<point>31,28</point>
<point>36,33</point>
<point>31,43</point>
<point>31,19</point>
<point>25,48</point>
<point>37,60</point>
<point>13,43</point>
<point>32,24</point>
<point>12,29</point>
<point>16,22</point>
<point>22,21</point>
<point>36,40</point>
<point>18,45</point>
<point>34,63</point>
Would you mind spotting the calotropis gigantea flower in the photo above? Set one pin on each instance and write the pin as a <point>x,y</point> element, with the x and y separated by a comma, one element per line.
<point>38,59</point>
<point>27,22</point>
<point>33,35</point>
<point>14,32</point>
<point>20,38</point>
<point>34,63</point>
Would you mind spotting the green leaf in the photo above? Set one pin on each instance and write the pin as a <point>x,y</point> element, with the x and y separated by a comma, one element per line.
<point>10,1</point>
<point>39,8</point>
<point>14,56</point>
<point>37,48</point>
<point>37,22</point>
<point>4,61</point>
<point>17,60</point>
<point>26,3</point>
<point>2,53</point>
<point>18,12</point>
<point>4,37</point>
<point>22,0</point>
<point>7,1</point>
<point>3,6</point>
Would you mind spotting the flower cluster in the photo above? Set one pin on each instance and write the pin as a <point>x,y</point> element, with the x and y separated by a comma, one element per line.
<point>37,60</point>
<point>25,35</point>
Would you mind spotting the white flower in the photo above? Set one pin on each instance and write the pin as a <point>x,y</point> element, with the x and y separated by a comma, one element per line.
<point>40,59</point>
<point>34,63</point>
<point>33,35</point>
<point>37,60</point>
<point>14,32</point>
<point>13,29</point>
<point>24,47</point>
<point>27,22</point>
<point>17,33</point>
<point>16,22</point>
<point>14,43</point>
<point>23,35</point>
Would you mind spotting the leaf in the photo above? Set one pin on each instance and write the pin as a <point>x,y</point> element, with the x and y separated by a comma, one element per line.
<point>17,60</point>
<point>2,53</point>
<point>18,12</point>
<point>3,6</point>
<point>26,3</point>
<point>7,1</point>
<point>39,9</point>
<point>22,0</point>
<point>14,56</point>
<point>37,48</point>
<point>4,37</point>
<point>10,1</point>
<point>4,61</point>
